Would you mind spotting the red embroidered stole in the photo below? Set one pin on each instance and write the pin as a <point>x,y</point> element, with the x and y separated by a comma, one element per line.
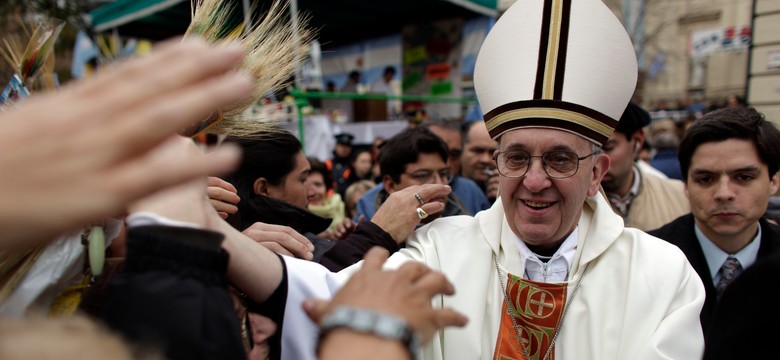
<point>538,308</point>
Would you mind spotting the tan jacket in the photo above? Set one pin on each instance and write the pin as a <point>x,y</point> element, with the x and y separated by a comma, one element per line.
<point>659,201</point>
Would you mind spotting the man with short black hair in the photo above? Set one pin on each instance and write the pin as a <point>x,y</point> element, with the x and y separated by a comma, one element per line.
<point>414,156</point>
<point>644,199</point>
<point>729,159</point>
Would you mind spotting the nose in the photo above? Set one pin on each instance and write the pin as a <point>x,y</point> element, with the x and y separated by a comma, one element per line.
<point>486,156</point>
<point>536,179</point>
<point>723,190</point>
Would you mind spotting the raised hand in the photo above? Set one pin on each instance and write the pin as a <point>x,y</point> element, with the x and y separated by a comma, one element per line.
<point>406,292</point>
<point>89,149</point>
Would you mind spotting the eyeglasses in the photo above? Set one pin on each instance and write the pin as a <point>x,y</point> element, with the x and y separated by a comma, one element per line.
<point>429,177</point>
<point>559,164</point>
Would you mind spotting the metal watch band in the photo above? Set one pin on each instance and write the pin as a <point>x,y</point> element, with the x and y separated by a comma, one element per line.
<point>368,321</point>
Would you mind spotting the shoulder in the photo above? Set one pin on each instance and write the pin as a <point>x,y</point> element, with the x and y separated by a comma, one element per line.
<point>674,228</point>
<point>655,253</point>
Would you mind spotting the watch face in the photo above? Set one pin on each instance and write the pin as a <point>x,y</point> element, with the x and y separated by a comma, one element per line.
<point>390,328</point>
<point>363,320</point>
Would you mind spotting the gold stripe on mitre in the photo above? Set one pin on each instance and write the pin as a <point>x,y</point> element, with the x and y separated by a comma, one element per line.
<point>575,119</point>
<point>554,40</point>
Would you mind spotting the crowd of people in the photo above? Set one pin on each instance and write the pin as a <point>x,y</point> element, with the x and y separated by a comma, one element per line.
<point>539,232</point>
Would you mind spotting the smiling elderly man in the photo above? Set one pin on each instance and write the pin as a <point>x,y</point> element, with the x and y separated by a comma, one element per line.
<point>550,271</point>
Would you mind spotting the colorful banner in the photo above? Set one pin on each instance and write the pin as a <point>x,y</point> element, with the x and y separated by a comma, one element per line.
<point>710,41</point>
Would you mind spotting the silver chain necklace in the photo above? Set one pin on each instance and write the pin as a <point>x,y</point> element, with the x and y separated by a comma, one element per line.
<point>512,313</point>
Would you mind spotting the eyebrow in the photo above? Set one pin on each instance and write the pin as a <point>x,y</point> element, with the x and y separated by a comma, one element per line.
<point>521,147</point>
<point>746,169</point>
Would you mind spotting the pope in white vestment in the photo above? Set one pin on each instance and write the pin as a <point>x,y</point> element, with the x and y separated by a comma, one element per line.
<point>549,271</point>
<point>640,299</point>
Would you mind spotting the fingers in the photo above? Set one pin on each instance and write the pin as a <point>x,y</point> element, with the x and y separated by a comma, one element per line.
<point>222,195</point>
<point>275,247</point>
<point>223,208</point>
<point>374,258</point>
<point>411,272</point>
<point>431,192</point>
<point>262,327</point>
<point>433,207</point>
<point>316,309</point>
<point>448,317</point>
<point>222,184</point>
<point>133,179</point>
<point>292,242</point>
<point>344,228</point>
<point>431,283</point>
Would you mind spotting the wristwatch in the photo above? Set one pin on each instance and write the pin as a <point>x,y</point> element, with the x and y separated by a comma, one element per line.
<point>367,321</point>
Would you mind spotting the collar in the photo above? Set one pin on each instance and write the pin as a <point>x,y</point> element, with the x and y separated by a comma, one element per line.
<point>622,204</point>
<point>259,208</point>
<point>715,256</point>
<point>555,268</point>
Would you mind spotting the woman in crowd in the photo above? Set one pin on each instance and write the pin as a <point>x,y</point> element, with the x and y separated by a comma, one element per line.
<point>323,201</point>
<point>354,193</point>
<point>360,168</point>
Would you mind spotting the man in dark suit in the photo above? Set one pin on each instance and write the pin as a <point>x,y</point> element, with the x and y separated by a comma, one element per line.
<point>729,159</point>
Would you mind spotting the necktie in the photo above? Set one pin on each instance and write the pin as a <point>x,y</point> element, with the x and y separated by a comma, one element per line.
<point>728,271</point>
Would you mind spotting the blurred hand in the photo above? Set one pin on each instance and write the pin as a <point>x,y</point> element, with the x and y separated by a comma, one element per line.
<point>281,239</point>
<point>344,228</point>
<point>223,196</point>
<point>406,292</point>
<point>398,214</point>
<point>87,150</point>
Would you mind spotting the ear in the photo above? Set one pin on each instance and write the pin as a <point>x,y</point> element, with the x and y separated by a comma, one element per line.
<point>389,184</point>
<point>774,184</point>
<point>599,170</point>
<point>261,186</point>
<point>639,139</point>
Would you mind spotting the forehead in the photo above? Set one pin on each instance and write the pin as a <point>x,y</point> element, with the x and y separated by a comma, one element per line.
<point>427,161</point>
<point>450,136</point>
<point>726,155</point>
<point>539,139</point>
<point>478,133</point>
<point>301,162</point>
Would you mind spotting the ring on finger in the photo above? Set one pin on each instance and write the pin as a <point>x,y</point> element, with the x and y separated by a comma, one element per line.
<point>421,213</point>
<point>419,199</point>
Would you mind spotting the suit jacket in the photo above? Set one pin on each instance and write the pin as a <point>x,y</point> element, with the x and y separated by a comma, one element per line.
<point>747,303</point>
<point>681,233</point>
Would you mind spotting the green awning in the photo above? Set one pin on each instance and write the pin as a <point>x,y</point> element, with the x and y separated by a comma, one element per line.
<point>122,12</point>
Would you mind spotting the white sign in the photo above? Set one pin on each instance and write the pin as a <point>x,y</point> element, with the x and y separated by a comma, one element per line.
<point>709,41</point>
<point>774,60</point>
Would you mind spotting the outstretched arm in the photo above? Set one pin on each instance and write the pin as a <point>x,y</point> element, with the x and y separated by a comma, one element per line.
<point>405,293</point>
<point>86,151</point>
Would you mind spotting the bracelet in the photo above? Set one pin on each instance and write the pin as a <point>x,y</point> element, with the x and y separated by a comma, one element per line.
<point>384,325</point>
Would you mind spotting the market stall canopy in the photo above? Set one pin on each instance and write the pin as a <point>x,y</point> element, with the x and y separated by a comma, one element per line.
<point>337,22</point>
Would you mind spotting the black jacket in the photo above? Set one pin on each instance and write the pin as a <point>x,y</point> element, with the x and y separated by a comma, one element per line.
<point>745,311</point>
<point>680,232</point>
<point>334,255</point>
<point>172,295</point>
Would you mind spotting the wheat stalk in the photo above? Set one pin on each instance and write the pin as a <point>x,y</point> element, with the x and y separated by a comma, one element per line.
<point>276,48</point>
